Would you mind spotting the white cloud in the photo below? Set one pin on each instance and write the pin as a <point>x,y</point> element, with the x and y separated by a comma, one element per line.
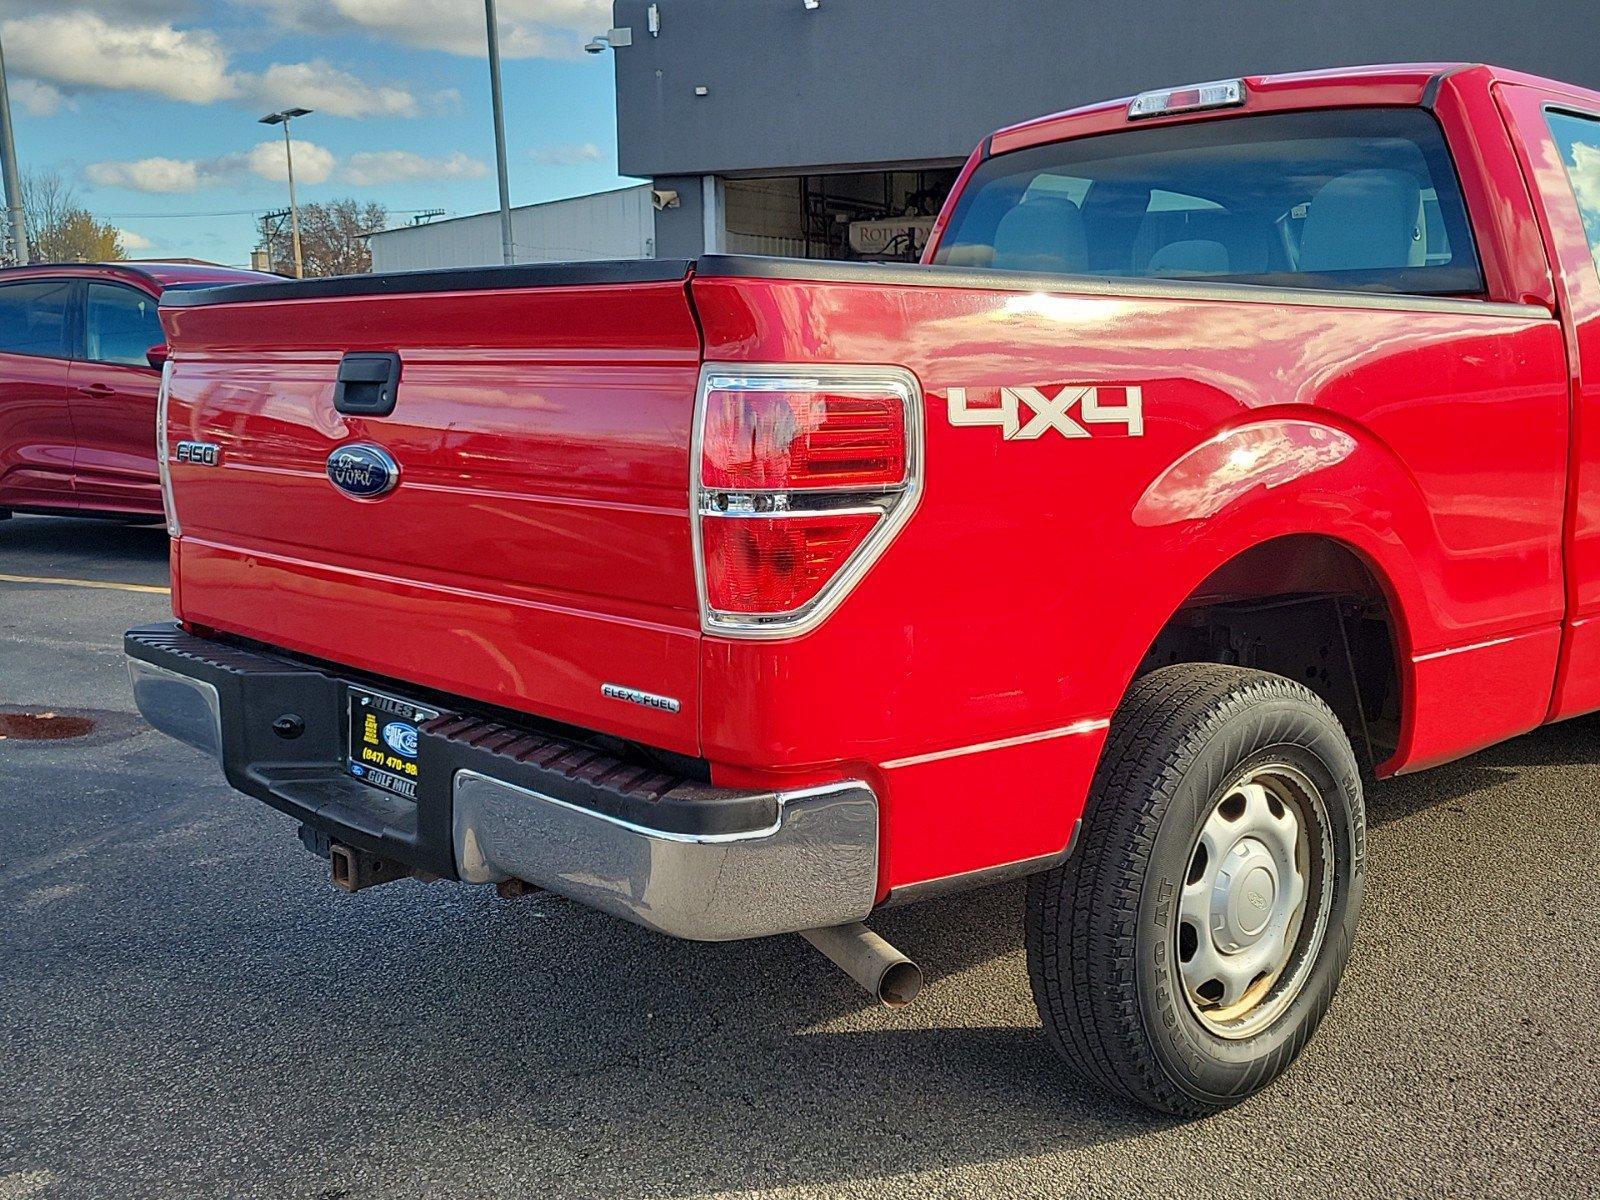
<point>375,167</point>
<point>312,164</point>
<point>37,99</point>
<point>81,51</point>
<point>147,174</point>
<point>266,160</point>
<point>133,242</point>
<point>61,53</point>
<point>321,86</point>
<point>528,28</point>
<point>571,155</point>
<point>166,10</point>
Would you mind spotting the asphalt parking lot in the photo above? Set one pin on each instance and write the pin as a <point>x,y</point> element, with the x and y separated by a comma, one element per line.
<point>191,1010</point>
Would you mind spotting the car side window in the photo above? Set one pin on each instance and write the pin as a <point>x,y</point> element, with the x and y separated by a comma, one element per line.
<point>34,317</point>
<point>121,326</point>
<point>1578,139</point>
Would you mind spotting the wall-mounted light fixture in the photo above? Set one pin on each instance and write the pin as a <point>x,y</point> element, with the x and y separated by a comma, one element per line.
<point>611,39</point>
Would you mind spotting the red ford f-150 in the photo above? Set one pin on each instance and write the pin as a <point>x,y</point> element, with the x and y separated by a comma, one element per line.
<point>1232,444</point>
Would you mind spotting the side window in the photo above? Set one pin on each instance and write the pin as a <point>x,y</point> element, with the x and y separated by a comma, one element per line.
<point>1579,141</point>
<point>33,318</point>
<point>122,325</point>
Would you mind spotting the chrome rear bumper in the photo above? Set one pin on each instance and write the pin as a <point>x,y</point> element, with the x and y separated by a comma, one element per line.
<point>817,865</point>
<point>498,802</point>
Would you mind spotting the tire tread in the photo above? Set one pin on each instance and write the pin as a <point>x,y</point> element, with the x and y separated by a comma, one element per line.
<point>1082,916</point>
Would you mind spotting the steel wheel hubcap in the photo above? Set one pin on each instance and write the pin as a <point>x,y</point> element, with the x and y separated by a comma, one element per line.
<point>1254,905</point>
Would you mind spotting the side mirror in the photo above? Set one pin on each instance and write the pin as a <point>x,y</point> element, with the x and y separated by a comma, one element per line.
<point>157,355</point>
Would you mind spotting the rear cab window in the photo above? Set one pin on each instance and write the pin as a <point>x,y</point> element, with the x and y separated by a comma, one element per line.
<point>1360,200</point>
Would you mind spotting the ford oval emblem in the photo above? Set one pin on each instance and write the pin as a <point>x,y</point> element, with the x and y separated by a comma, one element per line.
<point>363,471</point>
<point>401,738</point>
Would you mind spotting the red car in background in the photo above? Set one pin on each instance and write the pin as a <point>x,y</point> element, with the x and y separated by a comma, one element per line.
<point>81,350</point>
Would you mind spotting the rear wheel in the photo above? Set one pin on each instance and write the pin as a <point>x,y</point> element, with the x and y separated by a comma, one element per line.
<point>1186,952</point>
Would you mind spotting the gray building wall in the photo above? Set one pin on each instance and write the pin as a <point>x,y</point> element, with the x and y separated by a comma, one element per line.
<point>680,231</point>
<point>876,81</point>
<point>615,224</point>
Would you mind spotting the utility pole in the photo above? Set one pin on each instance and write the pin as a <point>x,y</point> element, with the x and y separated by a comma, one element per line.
<point>266,243</point>
<point>507,248</point>
<point>271,228</point>
<point>8,171</point>
<point>283,118</point>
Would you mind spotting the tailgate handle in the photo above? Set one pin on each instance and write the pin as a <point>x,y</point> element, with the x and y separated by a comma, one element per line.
<point>369,384</point>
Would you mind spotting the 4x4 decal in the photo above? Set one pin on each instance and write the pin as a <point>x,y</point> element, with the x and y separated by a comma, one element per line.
<point>1093,405</point>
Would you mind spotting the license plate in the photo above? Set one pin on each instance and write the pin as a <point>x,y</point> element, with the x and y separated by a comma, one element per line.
<point>383,741</point>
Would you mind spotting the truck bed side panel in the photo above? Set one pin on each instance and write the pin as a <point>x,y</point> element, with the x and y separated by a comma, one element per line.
<point>995,637</point>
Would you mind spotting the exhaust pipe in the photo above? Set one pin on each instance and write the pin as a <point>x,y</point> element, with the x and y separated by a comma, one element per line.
<point>882,971</point>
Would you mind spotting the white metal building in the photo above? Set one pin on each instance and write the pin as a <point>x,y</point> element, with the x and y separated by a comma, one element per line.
<point>615,224</point>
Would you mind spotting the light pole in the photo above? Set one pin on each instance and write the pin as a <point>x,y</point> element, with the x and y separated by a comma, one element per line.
<point>508,250</point>
<point>283,118</point>
<point>8,171</point>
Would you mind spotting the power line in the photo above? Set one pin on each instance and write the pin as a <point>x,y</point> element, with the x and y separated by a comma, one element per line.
<point>147,216</point>
<point>231,212</point>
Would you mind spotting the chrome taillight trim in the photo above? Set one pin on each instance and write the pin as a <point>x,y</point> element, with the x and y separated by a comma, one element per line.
<point>163,457</point>
<point>896,503</point>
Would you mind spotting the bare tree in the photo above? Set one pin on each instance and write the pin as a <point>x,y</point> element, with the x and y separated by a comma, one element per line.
<point>333,238</point>
<point>60,229</point>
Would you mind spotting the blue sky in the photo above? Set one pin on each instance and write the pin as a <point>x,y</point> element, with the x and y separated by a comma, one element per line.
<point>148,107</point>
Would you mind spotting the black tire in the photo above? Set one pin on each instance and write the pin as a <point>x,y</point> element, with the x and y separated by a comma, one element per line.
<point>1101,928</point>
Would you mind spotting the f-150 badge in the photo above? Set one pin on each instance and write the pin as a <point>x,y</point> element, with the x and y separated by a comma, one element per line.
<point>205,454</point>
<point>1061,409</point>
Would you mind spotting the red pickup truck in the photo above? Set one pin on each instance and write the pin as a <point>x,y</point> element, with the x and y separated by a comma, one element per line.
<point>1234,443</point>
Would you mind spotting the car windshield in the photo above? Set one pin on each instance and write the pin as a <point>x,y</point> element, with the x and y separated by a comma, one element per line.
<point>1350,199</point>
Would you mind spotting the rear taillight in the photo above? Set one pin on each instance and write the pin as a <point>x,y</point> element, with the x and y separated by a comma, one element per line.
<point>833,439</point>
<point>802,477</point>
<point>163,465</point>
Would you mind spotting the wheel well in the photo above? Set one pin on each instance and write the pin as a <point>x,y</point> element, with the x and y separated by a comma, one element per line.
<point>1308,608</point>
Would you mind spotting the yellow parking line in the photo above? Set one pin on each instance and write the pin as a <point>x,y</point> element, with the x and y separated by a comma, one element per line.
<point>88,583</point>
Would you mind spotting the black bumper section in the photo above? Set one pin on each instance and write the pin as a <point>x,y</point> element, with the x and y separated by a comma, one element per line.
<point>305,775</point>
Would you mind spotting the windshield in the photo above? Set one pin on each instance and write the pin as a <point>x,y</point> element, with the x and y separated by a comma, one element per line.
<point>1352,199</point>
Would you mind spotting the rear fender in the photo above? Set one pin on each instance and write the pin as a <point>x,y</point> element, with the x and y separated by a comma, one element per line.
<point>1289,475</point>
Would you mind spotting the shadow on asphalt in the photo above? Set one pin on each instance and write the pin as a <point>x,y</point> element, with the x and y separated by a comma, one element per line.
<point>768,1081</point>
<point>1455,785</point>
<point>91,549</point>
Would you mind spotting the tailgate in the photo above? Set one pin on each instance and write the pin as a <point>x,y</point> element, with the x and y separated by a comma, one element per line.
<point>537,543</point>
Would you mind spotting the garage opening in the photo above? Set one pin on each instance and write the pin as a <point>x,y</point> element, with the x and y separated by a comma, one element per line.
<point>862,216</point>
